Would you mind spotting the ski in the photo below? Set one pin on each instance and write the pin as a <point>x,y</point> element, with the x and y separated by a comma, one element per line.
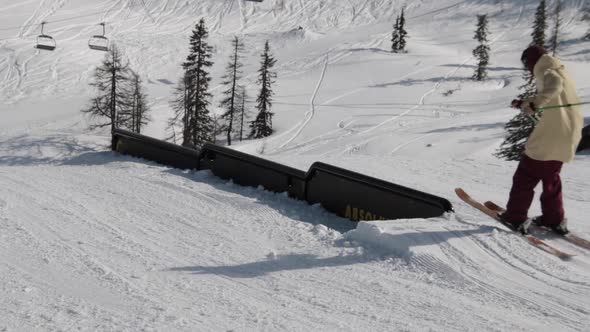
<point>533,240</point>
<point>570,237</point>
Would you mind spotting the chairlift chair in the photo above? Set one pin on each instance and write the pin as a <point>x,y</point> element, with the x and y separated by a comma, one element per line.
<point>99,42</point>
<point>45,42</point>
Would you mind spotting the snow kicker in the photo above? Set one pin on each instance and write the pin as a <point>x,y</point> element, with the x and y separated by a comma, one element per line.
<point>348,194</point>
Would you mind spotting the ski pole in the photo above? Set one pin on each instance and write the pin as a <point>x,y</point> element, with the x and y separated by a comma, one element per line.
<point>541,109</point>
<point>560,106</point>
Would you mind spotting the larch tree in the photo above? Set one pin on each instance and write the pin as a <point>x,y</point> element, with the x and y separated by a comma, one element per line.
<point>180,104</point>
<point>242,111</point>
<point>262,126</point>
<point>554,43</point>
<point>138,110</point>
<point>231,80</point>
<point>540,25</point>
<point>111,81</point>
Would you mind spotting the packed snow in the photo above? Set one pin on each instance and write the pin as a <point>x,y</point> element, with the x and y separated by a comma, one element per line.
<point>95,241</point>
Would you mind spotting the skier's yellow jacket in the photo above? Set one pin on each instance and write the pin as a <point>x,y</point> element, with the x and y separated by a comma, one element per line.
<point>558,133</point>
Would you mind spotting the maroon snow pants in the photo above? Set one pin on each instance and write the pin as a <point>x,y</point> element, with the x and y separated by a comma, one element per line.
<point>527,176</point>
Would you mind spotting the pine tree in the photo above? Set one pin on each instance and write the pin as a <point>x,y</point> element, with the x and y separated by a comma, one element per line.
<point>230,81</point>
<point>111,80</point>
<point>262,125</point>
<point>520,127</point>
<point>395,36</point>
<point>138,111</point>
<point>481,52</point>
<point>200,123</point>
<point>540,25</point>
<point>403,34</point>
<point>538,39</point>
<point>518,131</point>
<point>556,27</point>
<point>399,34</point>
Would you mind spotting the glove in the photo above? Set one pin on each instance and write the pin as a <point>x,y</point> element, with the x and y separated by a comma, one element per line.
<point>529,108</point>
<point>516,103</point>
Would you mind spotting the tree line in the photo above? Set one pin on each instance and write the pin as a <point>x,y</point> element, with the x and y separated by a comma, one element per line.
<point>120,100</point>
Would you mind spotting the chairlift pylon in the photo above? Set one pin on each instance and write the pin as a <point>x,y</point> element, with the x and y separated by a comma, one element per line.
<point>45,42</point>
<point>99,42</point>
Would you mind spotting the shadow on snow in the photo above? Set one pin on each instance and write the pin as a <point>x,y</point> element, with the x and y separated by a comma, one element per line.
<point>402,248</point>
<point>27,150</point>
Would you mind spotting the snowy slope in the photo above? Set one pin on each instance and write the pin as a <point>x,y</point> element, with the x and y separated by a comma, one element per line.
<point>90,240</point>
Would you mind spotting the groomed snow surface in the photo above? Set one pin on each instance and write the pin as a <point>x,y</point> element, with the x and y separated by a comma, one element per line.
<point>95,241</point>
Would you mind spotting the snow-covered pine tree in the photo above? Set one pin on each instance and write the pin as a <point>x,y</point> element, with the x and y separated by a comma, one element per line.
<point>481,52</point>
<point>111,81</point>
<point>540,25</point>
<point>395,36</point>
<point>557,25</point>
<point>197,81</point>
<point>230,80</point>
<point>403,34</point>
<point>519,128</point>
<point>262,125</point>
<point>138,109</point>
<point>538,38</point>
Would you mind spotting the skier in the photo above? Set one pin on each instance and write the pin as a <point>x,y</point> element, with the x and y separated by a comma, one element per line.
<point>552,143</point>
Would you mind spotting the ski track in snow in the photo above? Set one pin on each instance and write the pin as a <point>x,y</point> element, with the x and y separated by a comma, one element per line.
<point>129,259</point>
<point>356,147</point>
<point>337,132</point>
<point>309,115</point>
<point>91,240</point>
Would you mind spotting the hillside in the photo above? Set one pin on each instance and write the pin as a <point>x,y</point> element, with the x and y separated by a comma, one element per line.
<point>92,240</point>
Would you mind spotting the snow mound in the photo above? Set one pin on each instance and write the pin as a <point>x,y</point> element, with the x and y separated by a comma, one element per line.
<point>407,237</point>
